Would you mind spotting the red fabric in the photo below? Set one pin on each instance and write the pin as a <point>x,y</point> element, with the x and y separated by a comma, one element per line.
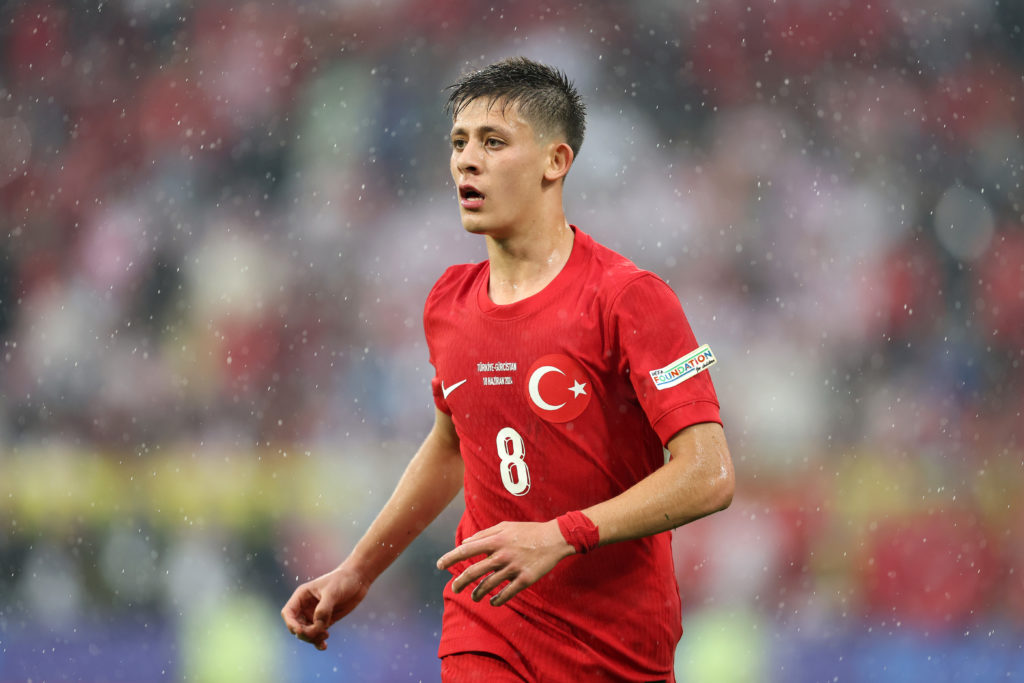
<point>579,531</point>
<point>473,667</point>
<point>556,410</point>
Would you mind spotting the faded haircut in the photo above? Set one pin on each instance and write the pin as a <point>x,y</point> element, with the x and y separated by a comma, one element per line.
<point>546,97</point>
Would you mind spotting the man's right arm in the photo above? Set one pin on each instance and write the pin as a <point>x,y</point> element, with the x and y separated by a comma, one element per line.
<point>431,480</point>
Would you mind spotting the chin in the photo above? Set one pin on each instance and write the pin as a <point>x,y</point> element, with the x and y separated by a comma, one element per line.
<point>474,225</point>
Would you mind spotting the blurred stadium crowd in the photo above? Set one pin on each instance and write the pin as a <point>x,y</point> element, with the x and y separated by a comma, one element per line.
<point>219,222</point>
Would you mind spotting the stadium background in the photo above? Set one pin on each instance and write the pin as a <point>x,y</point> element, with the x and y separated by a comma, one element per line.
<point>218,225</point>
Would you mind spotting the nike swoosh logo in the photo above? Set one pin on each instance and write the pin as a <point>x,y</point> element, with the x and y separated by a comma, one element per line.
<point>447,390</point>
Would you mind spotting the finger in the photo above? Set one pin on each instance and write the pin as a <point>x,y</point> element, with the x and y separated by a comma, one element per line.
<point>321,642</point>
<point>289,621</point>
<point>470,547</point>
<point>315,634</point>
<point>474,572</point>
<point>312,633</point>
<point>324,610</point>
<point>484,533</point>
<point>463,552</point>
<point>292,613</point>
<point>509,591</point>
<point>318,641</point>
<point>489,583</point>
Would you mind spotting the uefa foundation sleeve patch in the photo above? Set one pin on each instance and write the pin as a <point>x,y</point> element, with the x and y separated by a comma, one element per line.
<point>683,369</point>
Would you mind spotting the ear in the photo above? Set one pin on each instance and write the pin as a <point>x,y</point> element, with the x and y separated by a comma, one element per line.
<point>560,158</point>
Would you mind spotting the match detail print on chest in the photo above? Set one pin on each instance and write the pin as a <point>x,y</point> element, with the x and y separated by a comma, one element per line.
<point>496,373</point>
<point>483,380</point>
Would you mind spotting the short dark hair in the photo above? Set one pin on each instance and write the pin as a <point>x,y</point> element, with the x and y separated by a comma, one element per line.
<point>546,97</point>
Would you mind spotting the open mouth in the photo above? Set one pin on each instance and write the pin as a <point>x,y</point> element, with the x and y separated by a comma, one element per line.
<point>470,197</point>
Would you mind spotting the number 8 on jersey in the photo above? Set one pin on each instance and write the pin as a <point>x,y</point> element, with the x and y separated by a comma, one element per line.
<point>515,475</point>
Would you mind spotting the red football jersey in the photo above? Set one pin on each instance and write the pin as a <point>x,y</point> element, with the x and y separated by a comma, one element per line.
<point>561,401</point>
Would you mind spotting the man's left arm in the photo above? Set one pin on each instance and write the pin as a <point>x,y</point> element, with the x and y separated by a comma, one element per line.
<point>696,481</point>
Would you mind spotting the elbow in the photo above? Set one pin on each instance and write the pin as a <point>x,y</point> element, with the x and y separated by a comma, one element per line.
<point>721,489</point>
<point>724,480</point>
<point>724,495</point>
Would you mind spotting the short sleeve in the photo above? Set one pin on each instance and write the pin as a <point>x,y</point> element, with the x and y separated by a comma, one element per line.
<point>667,366</point>
<point>430,333</point>
<point>435,386</point>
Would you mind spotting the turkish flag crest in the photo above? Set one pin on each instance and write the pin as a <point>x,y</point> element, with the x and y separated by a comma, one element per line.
<point>557,388</point>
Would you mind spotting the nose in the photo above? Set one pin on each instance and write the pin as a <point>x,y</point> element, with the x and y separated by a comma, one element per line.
<point>468,159</point>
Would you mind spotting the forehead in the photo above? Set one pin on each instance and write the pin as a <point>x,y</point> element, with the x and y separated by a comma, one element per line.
<point>490,113</point>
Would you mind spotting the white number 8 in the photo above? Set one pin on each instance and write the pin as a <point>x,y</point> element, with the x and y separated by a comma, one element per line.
<point>515,475</point>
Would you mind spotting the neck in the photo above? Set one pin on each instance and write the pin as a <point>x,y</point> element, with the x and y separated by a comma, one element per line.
<point>525,263</point>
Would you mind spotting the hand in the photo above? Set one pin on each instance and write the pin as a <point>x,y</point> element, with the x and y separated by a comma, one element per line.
<point>517,552</point>
<point>317,604</point>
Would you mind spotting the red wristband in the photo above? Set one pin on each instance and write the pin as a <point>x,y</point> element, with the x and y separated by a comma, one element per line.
<point>579,531</point>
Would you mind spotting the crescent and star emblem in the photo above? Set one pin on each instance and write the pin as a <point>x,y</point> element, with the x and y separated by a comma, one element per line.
<point>557,388</point>
<point>535,379</point>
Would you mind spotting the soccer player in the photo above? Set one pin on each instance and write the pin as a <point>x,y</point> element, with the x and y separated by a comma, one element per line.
<point>562,374</point>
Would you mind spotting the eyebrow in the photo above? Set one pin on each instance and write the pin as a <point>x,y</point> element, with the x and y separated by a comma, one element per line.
<point>461,130</point>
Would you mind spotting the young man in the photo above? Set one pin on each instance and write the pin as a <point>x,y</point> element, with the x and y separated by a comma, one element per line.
<point>562,370</point>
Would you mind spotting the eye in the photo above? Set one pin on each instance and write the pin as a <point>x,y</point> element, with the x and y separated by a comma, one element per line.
<point>458,144</point>
<point>494,143</point>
